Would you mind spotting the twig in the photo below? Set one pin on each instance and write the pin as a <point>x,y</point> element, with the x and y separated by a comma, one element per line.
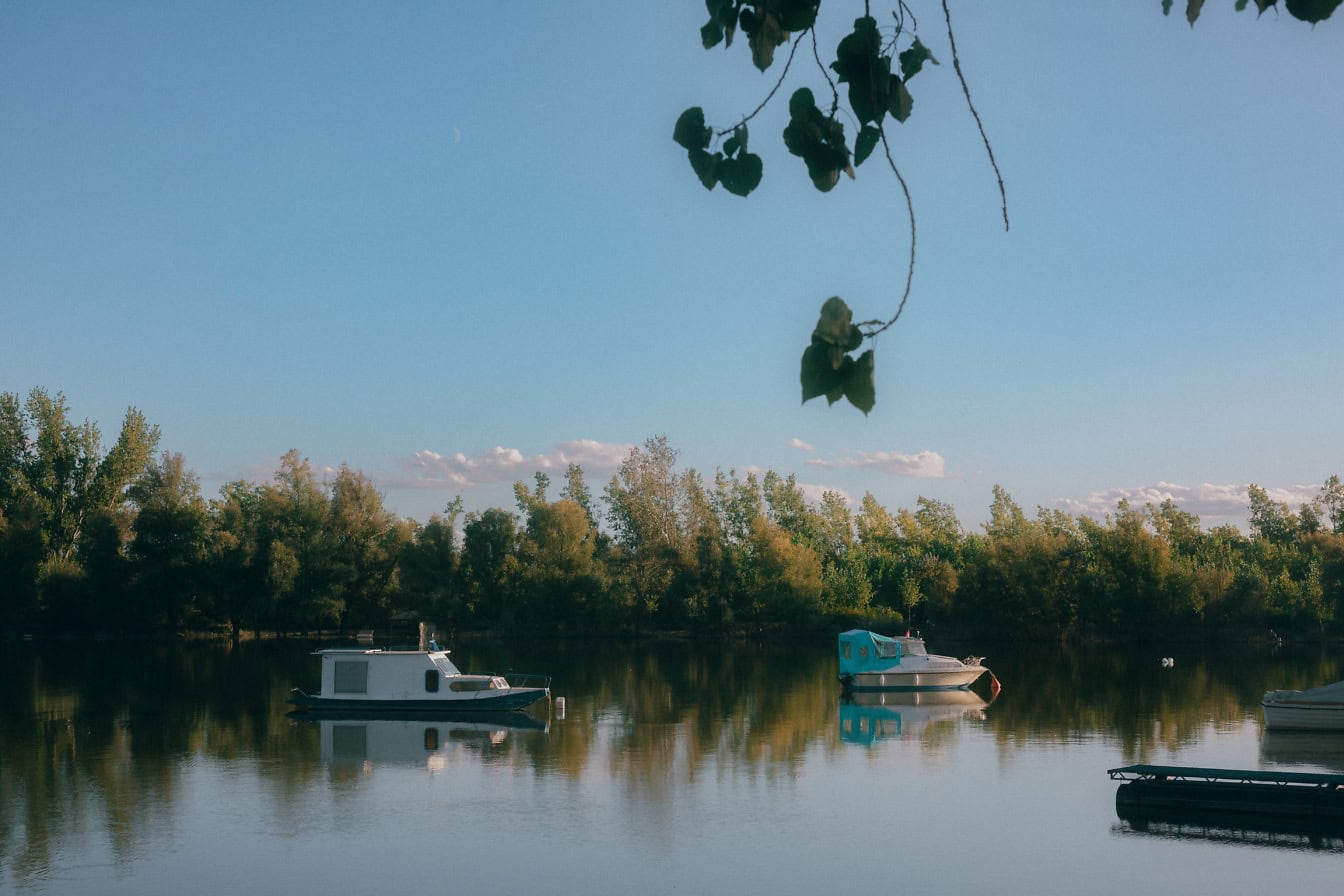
<point>773,90</point>
<point>956,65</point>
<point>910,209</point>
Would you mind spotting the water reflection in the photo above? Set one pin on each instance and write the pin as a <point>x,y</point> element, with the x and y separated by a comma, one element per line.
<point>1245,832</point>
<point>425,741</point>
<point>1319,750</point>
<point>116,743</point>
<point>868,718</point>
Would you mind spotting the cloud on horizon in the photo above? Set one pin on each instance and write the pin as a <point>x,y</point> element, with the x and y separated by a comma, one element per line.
<point>1208,500</point>
<point>430,470</point>
<point>799,444</point>
<point>924,465</point>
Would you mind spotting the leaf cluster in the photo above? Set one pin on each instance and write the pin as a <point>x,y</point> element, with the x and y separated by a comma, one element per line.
<point>1312,11</point>
<point>738,170</point>
<point>827,367</point>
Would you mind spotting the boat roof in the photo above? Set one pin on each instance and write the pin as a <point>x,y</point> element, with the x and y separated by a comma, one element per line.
<point>364,651</point>
<point>859,634</point>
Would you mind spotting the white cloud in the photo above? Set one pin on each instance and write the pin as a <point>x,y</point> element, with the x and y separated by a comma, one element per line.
<point>431,470</point>
<point>1213,503</point>
<point>924,465</point>
<point>800,445</point>
<point>812,493</point>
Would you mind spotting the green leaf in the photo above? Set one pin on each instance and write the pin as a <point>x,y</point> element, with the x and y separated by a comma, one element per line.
<point>901,102</point>
<point>801,102</point>
<point>1166,7</point>
<point>835,330</point>
<point>913,59</point>
<point>866,142</point>
<point>859,384</point>
<point>741,175</point>
<point>690,131</point>
<point>736,142</point>
<point>711,34</point>
<point>816,375</point>
<point>705,166</point>
<point>1192,8</point>
<point>817,139</point>
<point>796,15</point>
<point>1312,11</point>
<point>860,64</point>
<point>764,35</point>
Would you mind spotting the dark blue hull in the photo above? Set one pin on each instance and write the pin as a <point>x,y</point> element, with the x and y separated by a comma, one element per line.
<point>502,702</point>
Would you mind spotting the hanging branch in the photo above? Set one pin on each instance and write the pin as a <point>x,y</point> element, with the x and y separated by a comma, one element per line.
<point>966,91</point>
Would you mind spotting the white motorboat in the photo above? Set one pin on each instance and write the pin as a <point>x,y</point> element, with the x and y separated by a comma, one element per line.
<point>1315,709</point>
<point>873,662</point>
<point>378,681</point>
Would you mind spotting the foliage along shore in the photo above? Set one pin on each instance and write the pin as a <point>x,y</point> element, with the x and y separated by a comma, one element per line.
<point>122,540</point>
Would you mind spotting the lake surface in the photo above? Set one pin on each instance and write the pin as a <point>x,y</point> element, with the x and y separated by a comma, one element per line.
<point>735,769</point>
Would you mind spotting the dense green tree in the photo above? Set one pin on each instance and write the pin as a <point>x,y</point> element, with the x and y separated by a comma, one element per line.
<point>430,569</point>
<point>364,541</point>
<point>490,564</point>
<point>168,544</point>
<point>645,503</point>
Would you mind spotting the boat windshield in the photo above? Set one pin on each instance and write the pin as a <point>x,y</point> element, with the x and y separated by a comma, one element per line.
<point>913,647</point>
<point>444,664</point>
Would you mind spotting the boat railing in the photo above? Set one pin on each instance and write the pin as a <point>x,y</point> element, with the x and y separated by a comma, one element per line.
<point>527,680</point>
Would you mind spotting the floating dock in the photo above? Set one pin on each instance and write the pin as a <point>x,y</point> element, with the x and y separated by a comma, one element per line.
<point>1267,800</point>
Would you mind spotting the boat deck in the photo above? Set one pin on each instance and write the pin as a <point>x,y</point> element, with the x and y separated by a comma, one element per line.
<point>1224,775</point>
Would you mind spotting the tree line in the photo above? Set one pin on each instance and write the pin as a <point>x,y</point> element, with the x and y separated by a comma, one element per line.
<point>123,539</point>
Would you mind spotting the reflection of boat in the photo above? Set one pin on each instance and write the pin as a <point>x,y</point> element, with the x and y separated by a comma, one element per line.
<point>869,717</point>
<point>873,662</point>
<point>375,681</point>
<point>416,741</point>
<point>1319,749</point>
<point>1315,709</point>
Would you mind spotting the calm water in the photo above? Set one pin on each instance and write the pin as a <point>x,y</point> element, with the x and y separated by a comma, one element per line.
<point>727,770</point>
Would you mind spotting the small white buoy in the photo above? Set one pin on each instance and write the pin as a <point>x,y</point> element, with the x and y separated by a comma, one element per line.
<point>559,707</point>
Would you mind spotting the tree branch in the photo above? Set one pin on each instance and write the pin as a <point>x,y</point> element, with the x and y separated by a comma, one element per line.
<point>966,91</point>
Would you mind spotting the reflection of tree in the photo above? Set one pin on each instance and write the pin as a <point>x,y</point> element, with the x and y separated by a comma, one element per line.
<point>102,737</point>
<point>1059,696</point>
<point>97,736</point>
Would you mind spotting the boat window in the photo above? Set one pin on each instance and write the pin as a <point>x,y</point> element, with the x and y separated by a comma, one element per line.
<point>915,647</point>
<point>432,680</point>
<point>863,653</point>
<point>351,677</point>
<point>885,649</point>
<point>471,684</point>
<point>844,650</point>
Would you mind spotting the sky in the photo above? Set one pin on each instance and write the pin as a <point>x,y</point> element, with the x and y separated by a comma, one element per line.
<point>451,244</point>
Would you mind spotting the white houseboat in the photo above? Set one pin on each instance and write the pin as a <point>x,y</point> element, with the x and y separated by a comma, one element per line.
<point>378,681</point>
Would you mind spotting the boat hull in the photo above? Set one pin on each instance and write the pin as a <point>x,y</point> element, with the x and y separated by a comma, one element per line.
<point>518,698</point>
<point>923,680</point>
<point>1302,715</point>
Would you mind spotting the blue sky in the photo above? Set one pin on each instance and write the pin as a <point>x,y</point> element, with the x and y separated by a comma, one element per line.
<point>453,243</point>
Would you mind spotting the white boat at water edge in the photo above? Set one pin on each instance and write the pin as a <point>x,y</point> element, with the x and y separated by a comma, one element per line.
<point>873,662</point>
<point>377,681</point>
<point>1315,709</point>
